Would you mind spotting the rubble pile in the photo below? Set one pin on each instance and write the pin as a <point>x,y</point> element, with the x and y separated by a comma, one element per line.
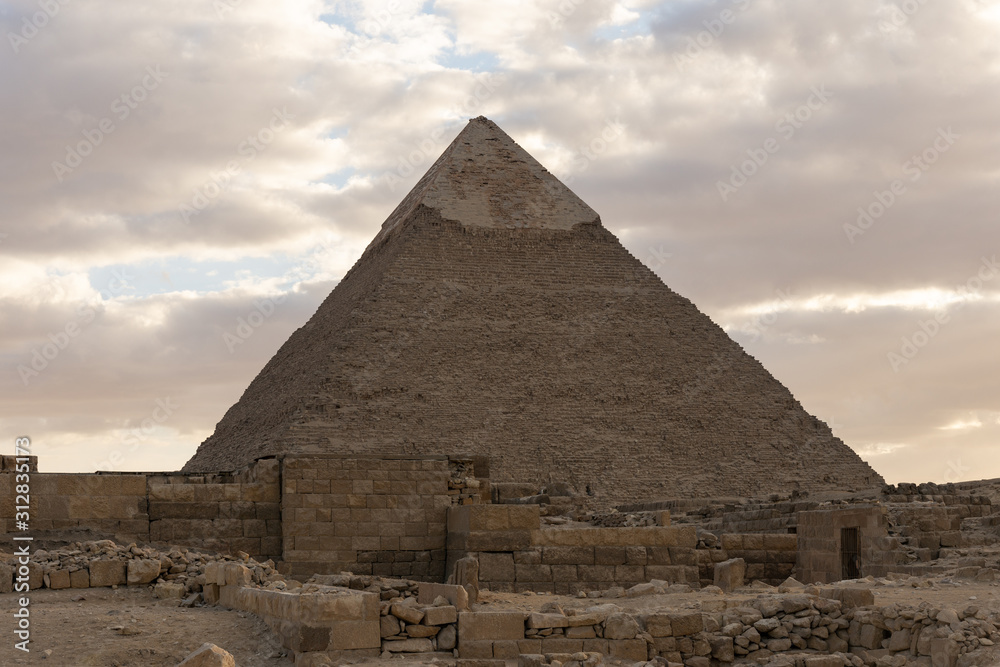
<point>175,572</point>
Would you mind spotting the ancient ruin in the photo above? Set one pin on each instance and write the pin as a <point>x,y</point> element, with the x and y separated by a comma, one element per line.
<point>502,440</point>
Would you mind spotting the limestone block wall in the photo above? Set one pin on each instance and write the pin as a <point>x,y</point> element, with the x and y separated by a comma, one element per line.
<point>769,557</point>
<point>516,554</point>
<point>225,512</point>
<point>819,542</point>
<point>367,515</point>
<point>106,503</point>
<point>779,517</point>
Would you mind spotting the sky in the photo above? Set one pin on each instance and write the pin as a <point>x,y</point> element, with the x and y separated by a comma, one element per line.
<point>182,183</point>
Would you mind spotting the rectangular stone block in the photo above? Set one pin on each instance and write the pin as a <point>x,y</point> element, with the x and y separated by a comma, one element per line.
<point>682,624</point>
<point>475,649</point>
<point>58,579</point>
<point>625,574</point>
<point>597,573</point>
<point>79,579</point>
<point>440,615</point>
<point>345,635</point>
<point>633,650</point>
<point>609,555</point>
<point>505,649</point>
<point>568,555</point>
<point>502,540</point>
<point>107,573</point>
<point>532,573</point>
<point>497,566</point>
<point>490,625</point>
<point>561,645</point>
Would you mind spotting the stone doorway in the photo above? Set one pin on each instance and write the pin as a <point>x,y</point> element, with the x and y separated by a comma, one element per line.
<point>850,553</point>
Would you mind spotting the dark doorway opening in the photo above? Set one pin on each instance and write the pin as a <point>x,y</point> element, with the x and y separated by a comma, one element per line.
<point>850,554</point>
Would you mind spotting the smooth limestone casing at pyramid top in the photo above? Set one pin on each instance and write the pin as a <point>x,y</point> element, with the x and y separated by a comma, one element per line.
<point>494,314</point>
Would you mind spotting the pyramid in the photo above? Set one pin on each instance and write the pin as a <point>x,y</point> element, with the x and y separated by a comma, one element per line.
<point>493,314</point>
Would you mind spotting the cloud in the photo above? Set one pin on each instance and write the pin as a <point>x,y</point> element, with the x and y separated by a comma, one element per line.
<point>172,103</point>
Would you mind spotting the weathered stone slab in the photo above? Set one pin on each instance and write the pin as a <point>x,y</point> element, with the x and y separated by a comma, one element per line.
<point>490,625</point>
<point>142,571</point>
<point>456,595</point>
<point>58,579</point>
<point>440,615</point>
<point>537,620</point>
<point>107,573</point>
<point>412,645</point>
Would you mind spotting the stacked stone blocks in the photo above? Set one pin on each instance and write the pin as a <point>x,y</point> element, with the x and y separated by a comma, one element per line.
<point>366,515</point>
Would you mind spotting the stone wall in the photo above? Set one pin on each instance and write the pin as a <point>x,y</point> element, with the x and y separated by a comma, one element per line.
<point>769,557</point>
<point>819,542</point>
<point>516,554</point>
<point>112,504</point>
<point>383,516</point>
<point>225,512</point>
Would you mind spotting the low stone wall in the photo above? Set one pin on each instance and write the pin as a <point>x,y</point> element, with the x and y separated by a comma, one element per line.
<point>365,515</point>
<point>516,554</point>
<point>824,627</point>
<point>317,622</point>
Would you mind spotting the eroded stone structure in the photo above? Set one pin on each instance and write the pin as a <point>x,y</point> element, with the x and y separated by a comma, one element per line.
<point>494,314</point>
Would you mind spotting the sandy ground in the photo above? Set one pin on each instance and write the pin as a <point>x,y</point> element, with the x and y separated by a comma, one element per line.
<point>127,627</point>
<point>153,633</point>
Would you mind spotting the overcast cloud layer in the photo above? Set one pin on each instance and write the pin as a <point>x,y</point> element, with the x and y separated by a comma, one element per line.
<point>182,183</point>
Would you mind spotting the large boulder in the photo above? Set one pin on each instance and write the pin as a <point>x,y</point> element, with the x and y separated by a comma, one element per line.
<point>142,571</point>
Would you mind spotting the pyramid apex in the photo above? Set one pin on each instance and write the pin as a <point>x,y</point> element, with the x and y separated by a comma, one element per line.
<point>485,179</point>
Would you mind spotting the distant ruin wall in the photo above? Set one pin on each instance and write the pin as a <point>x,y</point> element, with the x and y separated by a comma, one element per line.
<point>114,504</point>
<point>822,551</point>
<point>225,513</point>
<point>516,554</point>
